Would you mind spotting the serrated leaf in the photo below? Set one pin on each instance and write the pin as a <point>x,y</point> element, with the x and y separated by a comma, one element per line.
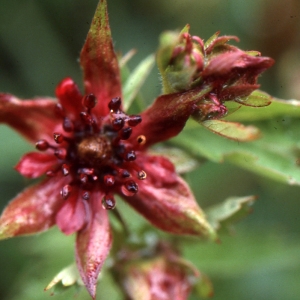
<point>136,79</point>
<point>255,99</point>
<point>231,130</point>
<point>223,215</point>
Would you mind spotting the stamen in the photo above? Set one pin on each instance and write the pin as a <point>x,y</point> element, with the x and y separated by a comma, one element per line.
<point>130,188</point>
<point>87,171</point>
<point>134,120</point>
<point>89,101</point>
<point>141,139</point>
<point>115,104</point>
<point>142,175</point>
<point>125,133</point>
<point>124,173</point>
<point>109,180</point>
<point>66,191</point>
<point>130,156</point>
<point>108,202</point>
<point>85,195</point>
<point>42,145</point>
<point>86,118</point>
<point>83,178</point>
<point>58,137</point>
<point>65,169</point>
<point>118,123</point>
<point>68,125</point>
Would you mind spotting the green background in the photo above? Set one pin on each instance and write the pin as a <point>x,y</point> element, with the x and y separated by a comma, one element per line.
<point>40,42</point>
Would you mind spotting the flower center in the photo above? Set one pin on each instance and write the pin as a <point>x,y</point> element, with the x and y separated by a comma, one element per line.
<point>94,152</point>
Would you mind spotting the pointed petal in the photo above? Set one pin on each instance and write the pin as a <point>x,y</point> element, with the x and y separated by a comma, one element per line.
<point>34,119</point>
<point>33,210</point>
<point>35,164</point>
<point>99,62</point>
<point>167,202</point>
<point>72,216</point>
<point>93,244</point>
<point>167,116</point>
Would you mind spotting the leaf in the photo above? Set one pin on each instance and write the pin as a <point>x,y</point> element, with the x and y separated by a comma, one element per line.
<point>223,215</point>
<point>211,40</point>
<point>231,130</point>
<point>255,99</point>
<point>136,80</point>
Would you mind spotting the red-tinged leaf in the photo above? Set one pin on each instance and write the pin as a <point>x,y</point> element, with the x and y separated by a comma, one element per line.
<point>211,40</point>
<point>219,41</point>
<point>72,216</point>
<point>35,164</point>
<point>167,116</point>
<point>167,202</point>
<point>236,92</point>
<point>232,130</point>
<point>99,62</point>
<point>256,99</point>
<point>34,119</point>
<point>93,244</point>
<point>33,210</point>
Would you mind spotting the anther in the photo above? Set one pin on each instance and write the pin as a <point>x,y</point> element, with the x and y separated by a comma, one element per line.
<point>109,180</point>
<point>65,169</point>
<point>142,175</point>
<point>134,120</point>
<point>85,195</point>
<point>58,137</point>
<point>108,202</point>
<point>66,191</point>
<point>125,133</point>
<point>59,110</point>
<point>89,101</point>
<point>124,173</point>
<point>87,171</point>
<point>60,153</point>
<point>114,104</point>
<point>118,123</point>
<point>130,188</point>
<point>130,156</point>
<point>68,125</point>
<point>42,145</point>
<point>141,139</point>
<point>83,178</point>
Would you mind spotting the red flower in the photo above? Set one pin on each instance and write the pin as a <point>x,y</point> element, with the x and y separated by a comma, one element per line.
<point>90,149</point>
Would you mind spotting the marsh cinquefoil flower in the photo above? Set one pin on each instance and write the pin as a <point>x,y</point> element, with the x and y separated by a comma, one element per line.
<point>91,150</point>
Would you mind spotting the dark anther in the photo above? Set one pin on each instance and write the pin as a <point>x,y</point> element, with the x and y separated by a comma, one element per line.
<point>134,120</point>
<point>85,195</point>
<point>87,171</point>
<point>68,125</point>
<point>117,123</point>
<point>114,104</point>
<point>131,186</point>
<point>125,133</point>
<point>66,191</point>
<point>124,173</point>
<point>130,156</point>
<point>108,202</point>
<point>83,178</point>
<point>65,169</point>
<point>42,145</point>
<point>89,101</point>
<point>109,180</point>
<point>58,137</point>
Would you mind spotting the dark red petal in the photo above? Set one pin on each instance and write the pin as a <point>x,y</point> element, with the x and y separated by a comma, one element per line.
<point>34,119</point>
<point>167,116</point>
<point>72,216</point>
<point>35,164</point>
<point>33,210</point>
<point>99,62</point>
<point>167,202</point>
<point>239,90</point>
<point>93,244</point>
<point>69,96</point>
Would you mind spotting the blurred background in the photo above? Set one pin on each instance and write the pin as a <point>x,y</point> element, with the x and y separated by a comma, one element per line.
<point>40,42</point>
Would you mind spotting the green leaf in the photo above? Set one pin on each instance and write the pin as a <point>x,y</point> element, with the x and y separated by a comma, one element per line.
<point>211,39</point>
<point>136,79</point>
<point>223,215</point>
<point>255,99</point>
<point>204,288</point>
<point>231,130</point>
